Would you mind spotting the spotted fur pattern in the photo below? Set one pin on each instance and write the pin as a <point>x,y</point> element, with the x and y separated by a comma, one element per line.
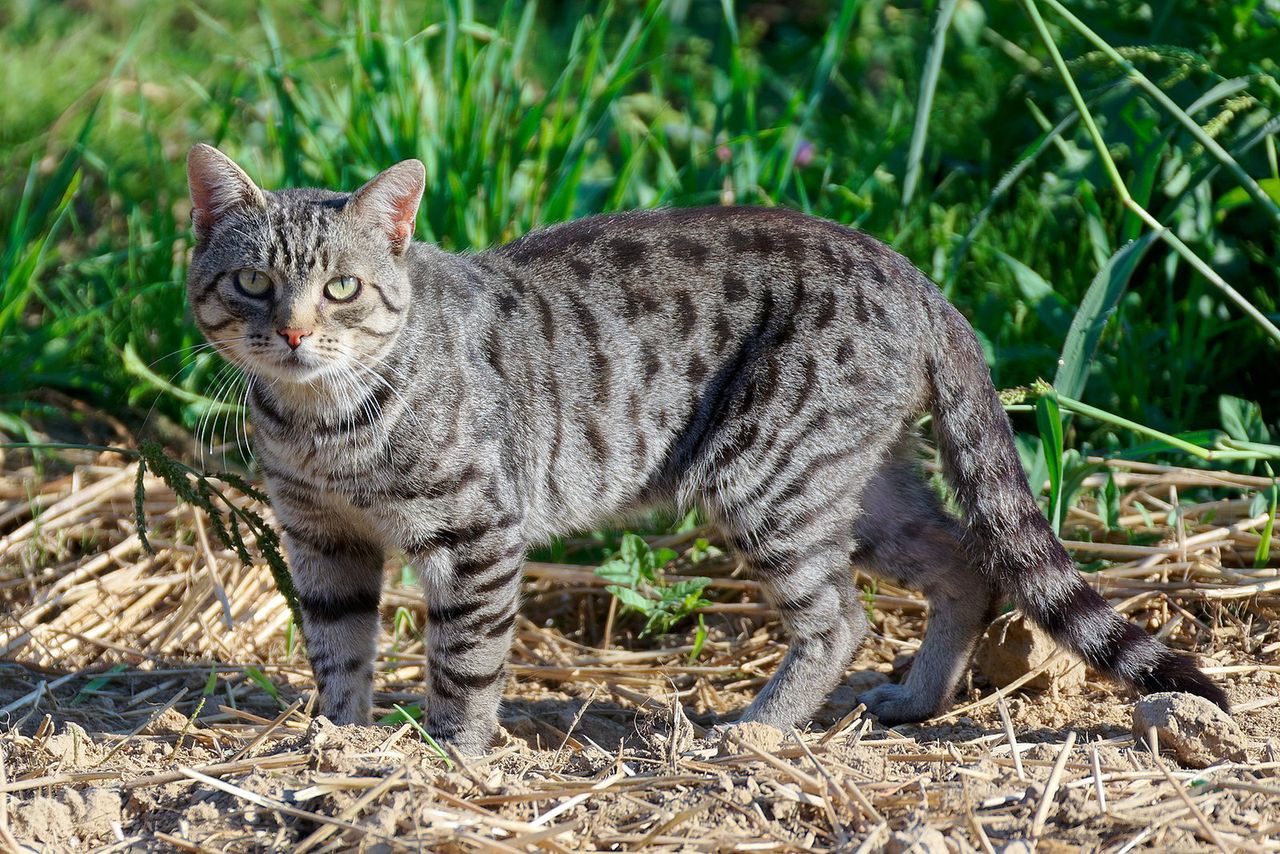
<point>766,365</point>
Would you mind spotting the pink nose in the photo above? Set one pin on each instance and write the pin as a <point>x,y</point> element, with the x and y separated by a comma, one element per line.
<point>293,335</point>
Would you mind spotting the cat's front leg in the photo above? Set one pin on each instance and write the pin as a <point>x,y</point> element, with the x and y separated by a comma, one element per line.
<point>472,586</point>
<point>338,576</point>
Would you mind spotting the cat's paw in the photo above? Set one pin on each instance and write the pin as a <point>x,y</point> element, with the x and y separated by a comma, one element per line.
<point>469,741</point>
<point>894,704</point>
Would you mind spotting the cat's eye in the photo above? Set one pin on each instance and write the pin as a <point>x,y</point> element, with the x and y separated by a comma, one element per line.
<point>251,282</point>
<point>342,289</point>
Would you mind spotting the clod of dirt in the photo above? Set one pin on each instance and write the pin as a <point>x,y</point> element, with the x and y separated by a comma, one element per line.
<point>167,722</point>
<point>762,737</point>
<point>1198,732</point>
<point>44,819</point>
<point>69,817</point>
<point>74,746</point>
<point>1013,647</point>
<point>101,808</point>
<point>917,840</point>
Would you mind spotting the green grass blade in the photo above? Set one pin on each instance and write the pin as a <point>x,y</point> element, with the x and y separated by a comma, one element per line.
<point>1049,419</point>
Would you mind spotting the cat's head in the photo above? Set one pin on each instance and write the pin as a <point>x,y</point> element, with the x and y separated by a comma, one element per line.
<point>298,284</point>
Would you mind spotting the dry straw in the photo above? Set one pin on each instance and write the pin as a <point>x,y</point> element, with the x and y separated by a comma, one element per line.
<point>171,688</point>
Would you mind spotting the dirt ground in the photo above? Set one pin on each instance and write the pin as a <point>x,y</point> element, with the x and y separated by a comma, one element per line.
<point>160,702</point>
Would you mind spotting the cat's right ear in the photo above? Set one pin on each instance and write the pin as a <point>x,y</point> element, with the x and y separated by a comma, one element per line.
<point>218,186</point>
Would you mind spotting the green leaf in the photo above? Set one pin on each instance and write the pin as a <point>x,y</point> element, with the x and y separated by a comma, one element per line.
<point>632,598</point>
<point>264,683</point>
<point>1099,302</point>
<point>211,684</point>
<point>1049,420</point>
<point>664,556</point>
<point>407,717</point>
<point>924,103</point>
<point>1242,419</point>
<point>1239,197</point>
<point>699,639</point>
<point>1262,554</point>
<point>95,684</point>
<point>1111,503</point>
<point>1032,285</point>
<point>619,572</point>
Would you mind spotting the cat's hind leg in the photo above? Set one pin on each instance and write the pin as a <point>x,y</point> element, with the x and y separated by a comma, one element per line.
<point>905,535</point>
<point>797,544</point>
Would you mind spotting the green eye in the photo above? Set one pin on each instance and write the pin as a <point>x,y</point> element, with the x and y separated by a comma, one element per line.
<point>251,282</point>
<point>342,288</point>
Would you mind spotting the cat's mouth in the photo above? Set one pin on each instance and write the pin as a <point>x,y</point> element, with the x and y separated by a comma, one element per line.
<point>294,366</point>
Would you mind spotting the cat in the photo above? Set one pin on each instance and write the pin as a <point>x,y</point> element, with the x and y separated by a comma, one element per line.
<point>765,364</point>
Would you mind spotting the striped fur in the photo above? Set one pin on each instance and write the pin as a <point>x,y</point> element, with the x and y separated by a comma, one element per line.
<point>766,365</point>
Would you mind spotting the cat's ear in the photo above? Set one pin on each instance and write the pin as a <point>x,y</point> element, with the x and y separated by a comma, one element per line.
<point>389,202</point>
<point>218,186</point>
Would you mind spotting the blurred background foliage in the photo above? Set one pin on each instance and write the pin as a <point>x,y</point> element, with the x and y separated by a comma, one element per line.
<point>531,114</point>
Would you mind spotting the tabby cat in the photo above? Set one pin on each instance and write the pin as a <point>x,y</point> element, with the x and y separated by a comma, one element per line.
<point>764,364</point>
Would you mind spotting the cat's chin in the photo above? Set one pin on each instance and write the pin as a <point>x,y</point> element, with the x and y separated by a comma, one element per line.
<point>292,371</point>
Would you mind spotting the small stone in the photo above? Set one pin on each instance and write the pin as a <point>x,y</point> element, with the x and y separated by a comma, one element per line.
<point>1014,646</point>
<point>765,738</point>
<point>1197,731</point>
<point>1017,846</point>
<point>917,840</point>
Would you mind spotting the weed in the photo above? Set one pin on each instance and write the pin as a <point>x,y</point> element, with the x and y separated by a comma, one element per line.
<point>636,579</point>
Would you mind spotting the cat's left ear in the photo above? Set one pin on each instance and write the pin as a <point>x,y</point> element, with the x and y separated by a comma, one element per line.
<point>390,201</point>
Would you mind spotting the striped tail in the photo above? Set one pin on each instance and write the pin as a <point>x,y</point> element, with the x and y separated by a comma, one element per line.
<point>1012,542</point>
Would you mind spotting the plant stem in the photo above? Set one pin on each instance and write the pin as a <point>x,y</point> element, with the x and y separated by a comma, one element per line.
<point>1114,172</point>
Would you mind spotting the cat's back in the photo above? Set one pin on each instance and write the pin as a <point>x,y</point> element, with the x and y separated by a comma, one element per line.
<point>652,245</point>
<point>717,273</point>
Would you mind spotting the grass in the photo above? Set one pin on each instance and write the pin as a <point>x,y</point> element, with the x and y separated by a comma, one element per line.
<point>1098,189</point>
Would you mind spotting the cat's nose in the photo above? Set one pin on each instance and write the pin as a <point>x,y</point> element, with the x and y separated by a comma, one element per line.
<point>293,335</point>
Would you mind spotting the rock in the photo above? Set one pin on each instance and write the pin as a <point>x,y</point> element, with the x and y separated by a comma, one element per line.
<point>1197,731</point>
<point>765,738</point>
<point>917,840</point>
<point>1017,846</point>
<point>1014,646</point>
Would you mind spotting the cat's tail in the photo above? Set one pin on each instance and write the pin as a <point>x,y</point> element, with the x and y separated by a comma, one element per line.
<point>1012,542</point>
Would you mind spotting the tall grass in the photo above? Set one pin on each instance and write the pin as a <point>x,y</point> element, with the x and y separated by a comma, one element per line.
<point>1095,186</point>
